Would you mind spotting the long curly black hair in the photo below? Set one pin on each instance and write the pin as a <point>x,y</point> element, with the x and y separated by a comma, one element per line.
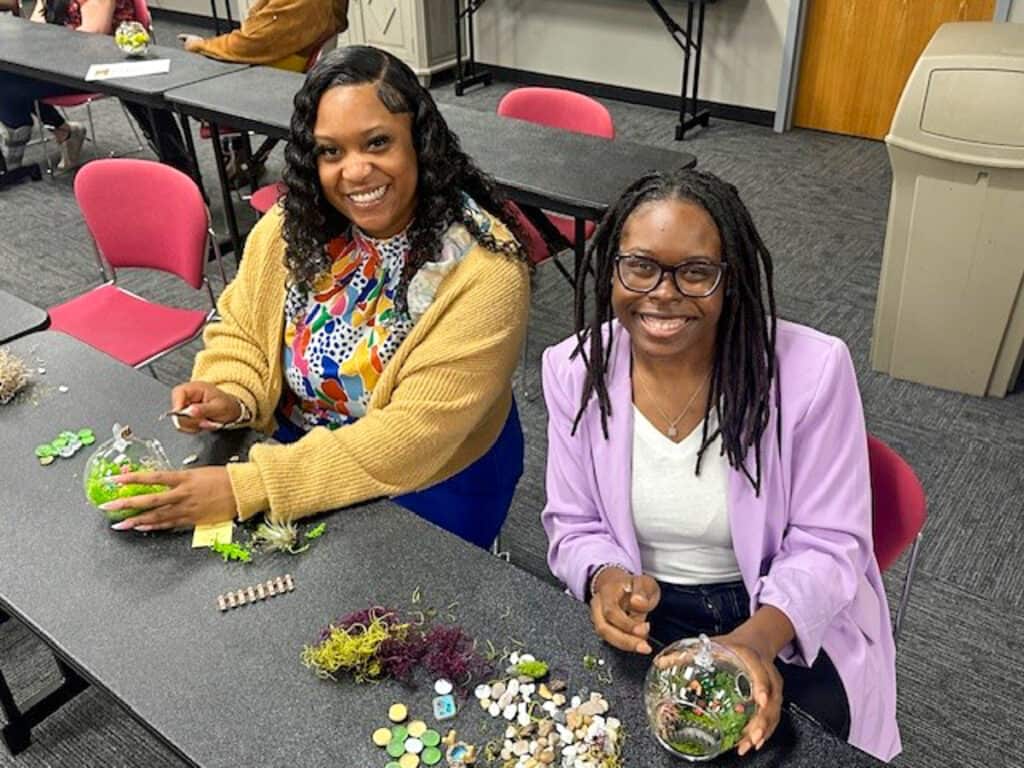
<point>445,171</point>
<point>745,365</point>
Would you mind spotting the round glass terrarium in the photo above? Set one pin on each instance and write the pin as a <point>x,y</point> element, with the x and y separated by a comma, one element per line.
<point>122,454</point>
<point>132,38</point>
<point>699,697</point>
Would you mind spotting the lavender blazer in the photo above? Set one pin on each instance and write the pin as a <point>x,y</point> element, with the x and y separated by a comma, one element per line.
<point>804,545</point>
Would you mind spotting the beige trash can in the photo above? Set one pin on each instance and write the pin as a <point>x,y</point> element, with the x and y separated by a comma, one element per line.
<point>950,309</point>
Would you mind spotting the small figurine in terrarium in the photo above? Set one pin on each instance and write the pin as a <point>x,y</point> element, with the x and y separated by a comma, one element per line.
<point>132,38</point>
<point>699,698</point>
<point>122,454</point>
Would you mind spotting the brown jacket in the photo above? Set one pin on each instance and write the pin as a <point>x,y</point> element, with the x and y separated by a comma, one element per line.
<point>281,33</point>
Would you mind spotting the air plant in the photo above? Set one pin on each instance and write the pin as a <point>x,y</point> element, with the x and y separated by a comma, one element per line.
<point>278,537</point>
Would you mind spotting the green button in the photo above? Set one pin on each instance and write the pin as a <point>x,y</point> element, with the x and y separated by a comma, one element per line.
<point>430,738</point>
<point>59,443</point>
<point>83,433</point>
<point>431,756</point>
<point>87,439</point>
<point>399,733</point>
<point>42,451</point>
<point>396,748</point>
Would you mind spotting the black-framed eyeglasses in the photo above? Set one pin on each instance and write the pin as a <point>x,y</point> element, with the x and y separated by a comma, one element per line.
<point>696,278</point>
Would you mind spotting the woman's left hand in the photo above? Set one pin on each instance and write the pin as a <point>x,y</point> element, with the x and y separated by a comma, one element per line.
<point>190,42</point>
<point>767,691</point>
<point>193,497</point>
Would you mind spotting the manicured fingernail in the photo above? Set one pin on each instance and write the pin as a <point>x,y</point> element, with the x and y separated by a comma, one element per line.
<point>109,506</point>
<point>643,648</point>
<point>742,749</point>
<point>143,528</point>
<point>124,525</point>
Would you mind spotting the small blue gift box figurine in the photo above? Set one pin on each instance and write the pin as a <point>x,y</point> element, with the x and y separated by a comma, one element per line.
<point>444,707</point>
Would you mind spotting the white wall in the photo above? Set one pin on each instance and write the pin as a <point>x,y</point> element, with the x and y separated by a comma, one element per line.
<point>622,42</point>
<point>1017,10</point>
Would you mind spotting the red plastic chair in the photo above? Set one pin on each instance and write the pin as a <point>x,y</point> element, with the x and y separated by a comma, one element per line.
<point>569,111</point>
<point>140,213</point>
<point>899,511</point>
<point>85,99</point>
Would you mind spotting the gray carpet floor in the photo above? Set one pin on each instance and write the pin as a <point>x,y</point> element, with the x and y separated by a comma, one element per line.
<point>820,201</point>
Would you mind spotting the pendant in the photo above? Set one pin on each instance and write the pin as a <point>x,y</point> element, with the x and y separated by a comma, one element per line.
<point>672,431</point>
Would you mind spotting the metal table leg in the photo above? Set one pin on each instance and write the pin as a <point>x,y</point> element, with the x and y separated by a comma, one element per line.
<point>225,189</point>
<point>17,732</point>
<point>466,72</point>
<point>691,42</point>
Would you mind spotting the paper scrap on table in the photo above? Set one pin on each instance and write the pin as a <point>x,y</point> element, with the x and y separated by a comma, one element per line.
<point>215,533</point>
<point>128,69</point>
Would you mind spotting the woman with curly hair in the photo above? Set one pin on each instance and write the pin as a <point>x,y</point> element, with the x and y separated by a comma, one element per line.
<point>708,465</point>
<point>373,327</point>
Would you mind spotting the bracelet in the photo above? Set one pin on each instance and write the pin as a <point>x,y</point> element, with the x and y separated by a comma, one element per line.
<point>601,569</point>
<point>244,415</point>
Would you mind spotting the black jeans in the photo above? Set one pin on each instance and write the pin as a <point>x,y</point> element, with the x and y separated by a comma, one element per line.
<point>716,609</point>
<point>164,136</point>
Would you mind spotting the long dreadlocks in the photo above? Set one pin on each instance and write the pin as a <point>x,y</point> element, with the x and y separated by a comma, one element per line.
<point>745,365</point>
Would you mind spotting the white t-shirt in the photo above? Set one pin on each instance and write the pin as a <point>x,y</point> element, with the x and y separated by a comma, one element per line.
<point>681,520</point>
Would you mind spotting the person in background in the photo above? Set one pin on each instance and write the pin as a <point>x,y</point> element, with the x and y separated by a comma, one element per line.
<point>707,465</point>
<point>373,327</point>
<point>277,33</point>
<point>19,94</point>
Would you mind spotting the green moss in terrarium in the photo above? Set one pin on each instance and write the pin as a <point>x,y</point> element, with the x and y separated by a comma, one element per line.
<point>101,488</point>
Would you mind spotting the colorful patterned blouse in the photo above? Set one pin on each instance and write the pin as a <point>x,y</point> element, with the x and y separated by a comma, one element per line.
<point>339,336</point>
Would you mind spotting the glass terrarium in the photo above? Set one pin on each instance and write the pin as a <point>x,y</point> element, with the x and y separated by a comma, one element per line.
<point>132,38</point>
<point>122,454</point>
<point>699,698</point>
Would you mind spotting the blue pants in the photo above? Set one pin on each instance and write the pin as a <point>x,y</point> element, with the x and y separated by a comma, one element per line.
<point>472,504</point>
<point>18,95</point>
<point>716,609</point>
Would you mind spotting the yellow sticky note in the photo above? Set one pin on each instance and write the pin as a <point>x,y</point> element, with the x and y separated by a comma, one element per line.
<point>205,535</point>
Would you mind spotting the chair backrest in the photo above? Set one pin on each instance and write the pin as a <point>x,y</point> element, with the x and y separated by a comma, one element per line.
<point>899,507</point>
<point>145,214</point>
<point>142,14</point>
<point>559,108</point>
<point>323,47</point>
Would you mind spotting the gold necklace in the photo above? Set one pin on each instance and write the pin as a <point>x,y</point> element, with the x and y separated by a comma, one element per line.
<point>672,431</point>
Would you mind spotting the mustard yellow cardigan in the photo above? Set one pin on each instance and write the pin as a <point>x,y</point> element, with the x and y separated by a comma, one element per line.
<point>279,33</point>
<point>439,405</point>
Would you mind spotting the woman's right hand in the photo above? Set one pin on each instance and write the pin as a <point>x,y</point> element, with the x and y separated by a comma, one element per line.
<point>619,608</point>
<point>208,407</point>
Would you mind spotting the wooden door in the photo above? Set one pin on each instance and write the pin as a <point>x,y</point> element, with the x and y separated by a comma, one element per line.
<point>858,54</point>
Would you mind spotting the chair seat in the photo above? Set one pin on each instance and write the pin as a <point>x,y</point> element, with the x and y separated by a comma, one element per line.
<point>71,100</point>
<point>124,326</point>
<point>266,197</point>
